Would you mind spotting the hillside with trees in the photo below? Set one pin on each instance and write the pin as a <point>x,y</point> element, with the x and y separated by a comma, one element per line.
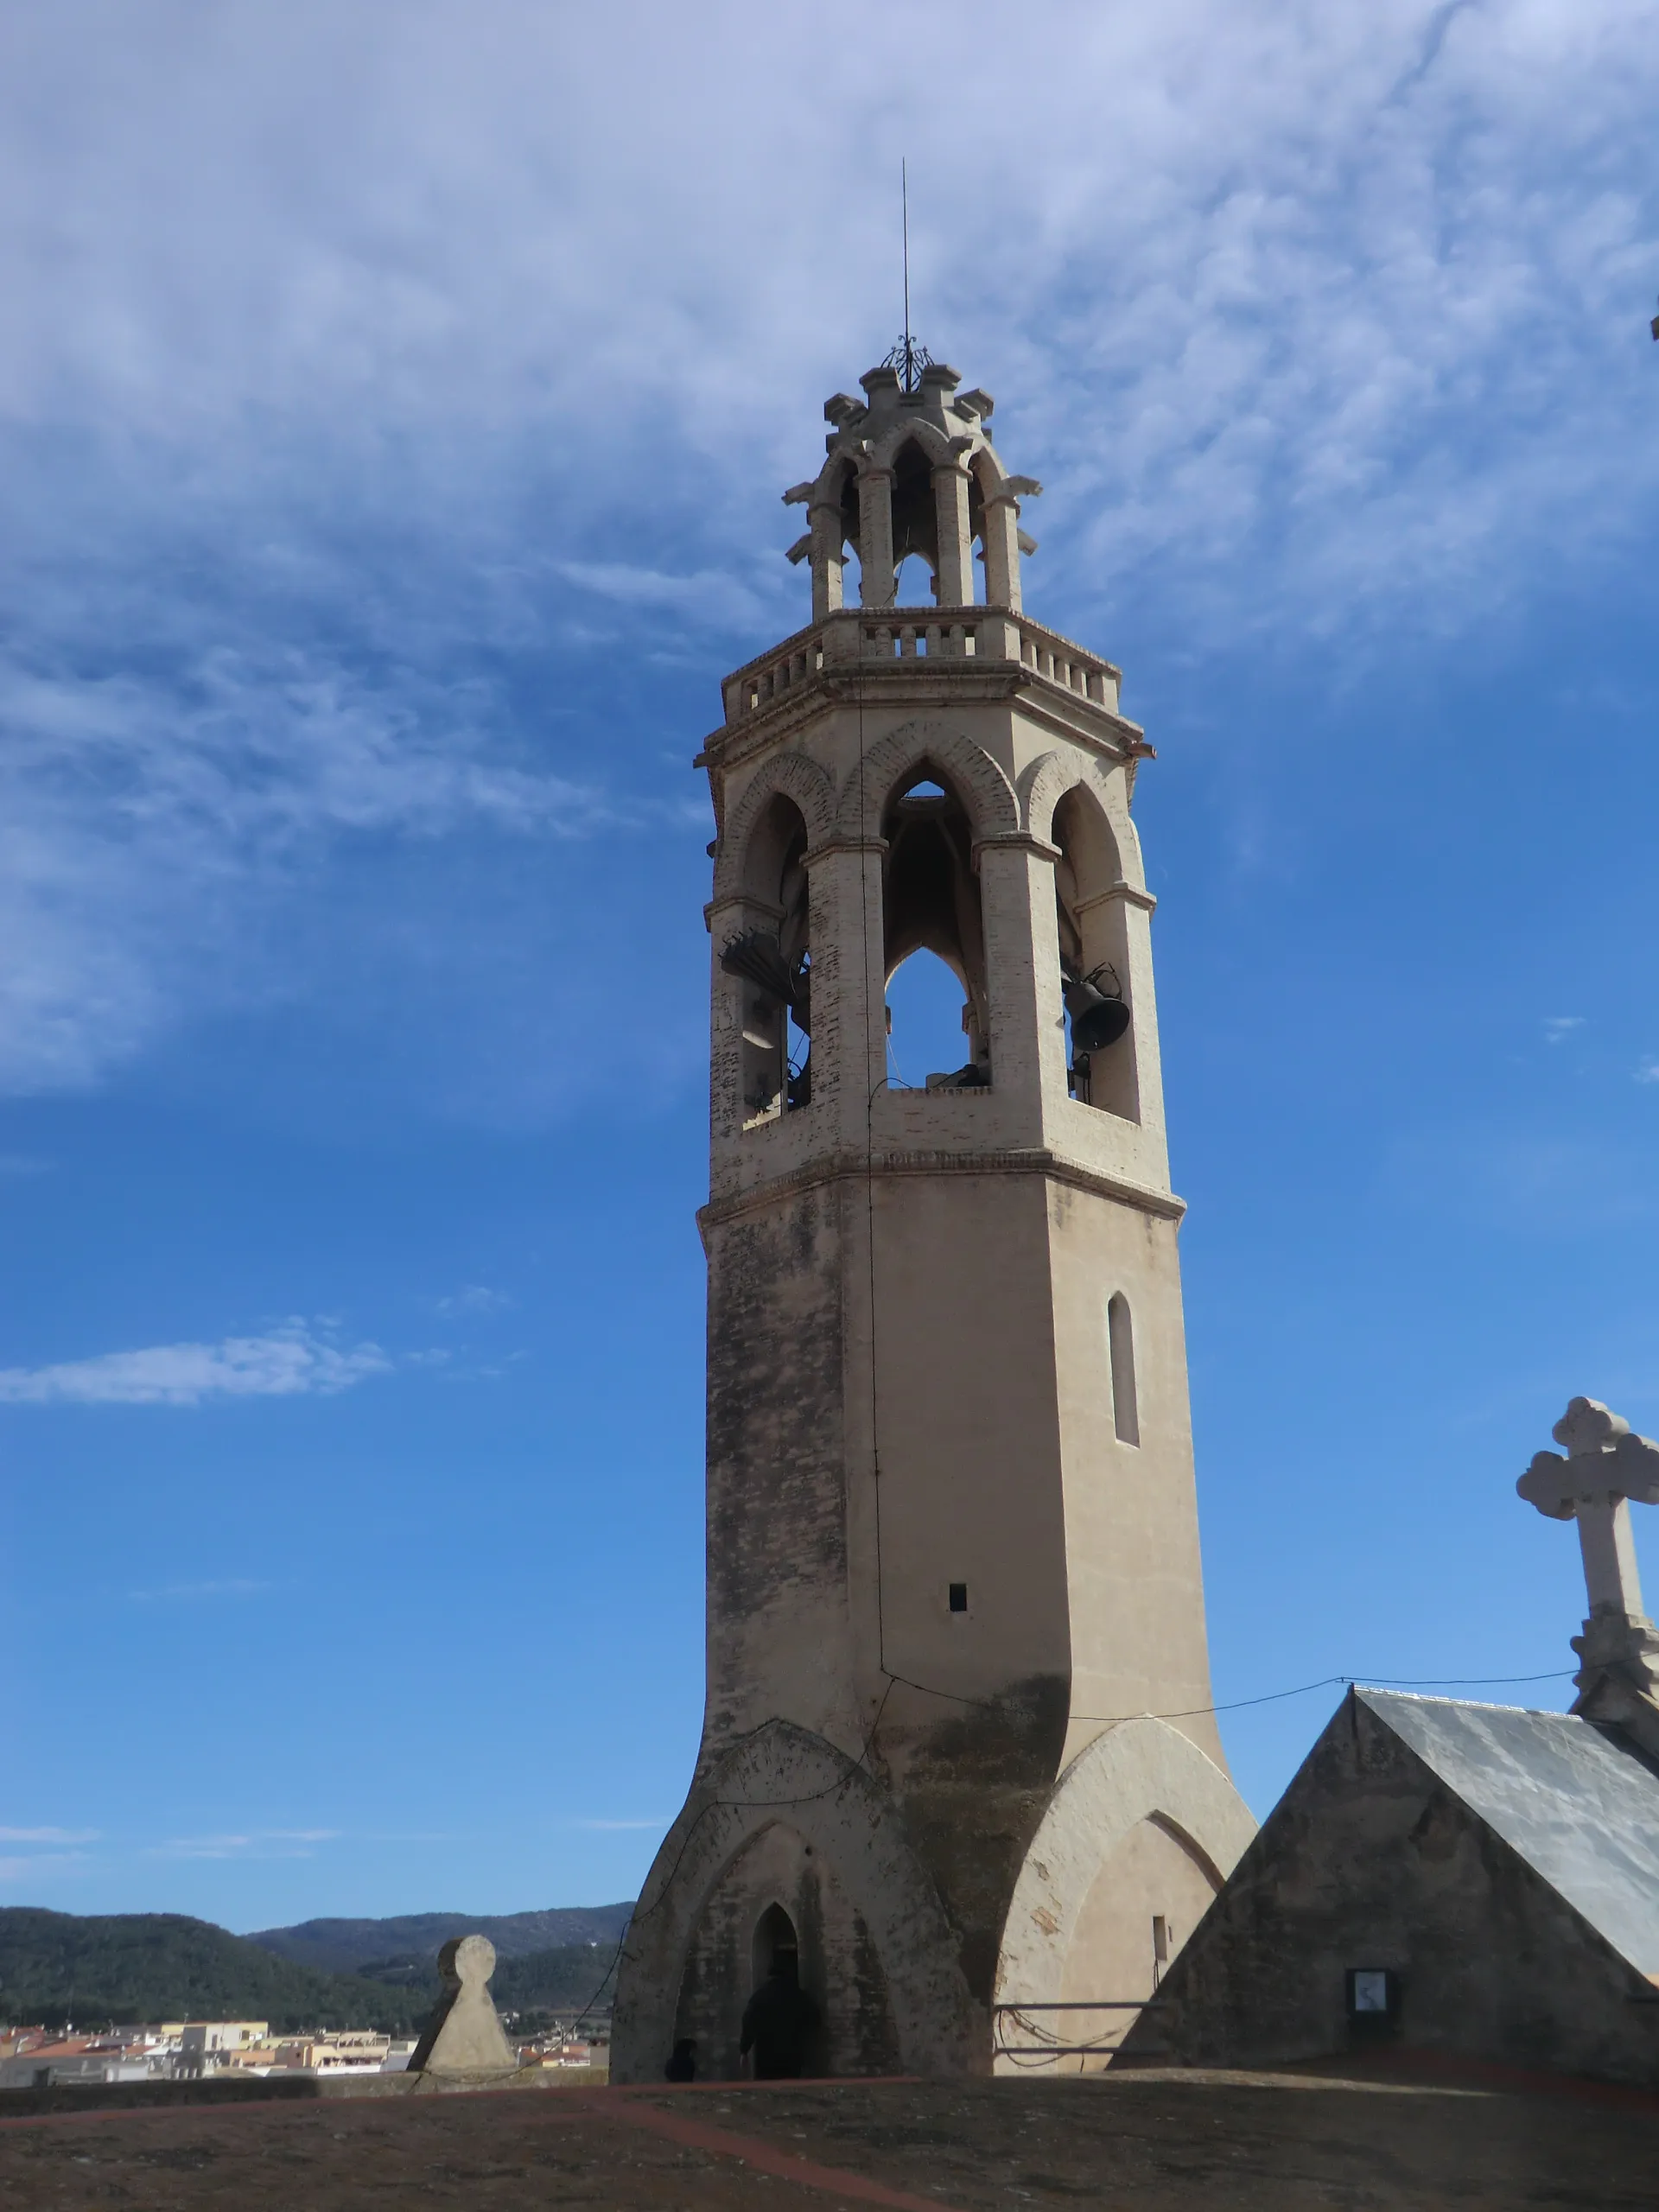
<point>56,1966</point>
<point>129,1968</point>
<point>350,1945</point>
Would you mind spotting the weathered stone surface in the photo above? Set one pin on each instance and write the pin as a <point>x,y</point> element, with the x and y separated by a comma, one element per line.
<point>463,2035</point>
<point>1605,1467</point>
<point>1504,1866</point>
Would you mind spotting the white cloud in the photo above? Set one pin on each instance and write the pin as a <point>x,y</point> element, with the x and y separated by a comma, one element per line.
<point>48,1835</point>
<point>474,1297</point>
<point>365,380</point>
<point>1557,1027</point>
<point>288,1363</point>
<point>151,821</point>
<point>1649,1072</point>
<point>261,1843</point>
<point>30,1869</point>
<point>713,595</point>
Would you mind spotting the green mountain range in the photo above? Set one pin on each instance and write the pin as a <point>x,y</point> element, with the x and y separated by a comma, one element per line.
<point>58,1966</point>
<point>349,1945</point>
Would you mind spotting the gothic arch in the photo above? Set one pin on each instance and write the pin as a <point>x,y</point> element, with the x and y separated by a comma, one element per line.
<point>829,485</point>
<point>1046,782</point>
<point>981,785</point>
<point>785,1771</point>
<point>912,430</point>
<point>1140,1769</point>
<point>798,778</point>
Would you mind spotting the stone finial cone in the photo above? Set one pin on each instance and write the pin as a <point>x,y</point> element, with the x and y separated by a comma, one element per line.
<point>464,2035</point>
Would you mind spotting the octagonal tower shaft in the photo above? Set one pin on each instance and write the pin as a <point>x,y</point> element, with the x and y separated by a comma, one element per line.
<point>952,1536</point>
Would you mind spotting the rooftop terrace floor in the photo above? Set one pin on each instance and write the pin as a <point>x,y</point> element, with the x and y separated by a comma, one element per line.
<point>1138,2142</point>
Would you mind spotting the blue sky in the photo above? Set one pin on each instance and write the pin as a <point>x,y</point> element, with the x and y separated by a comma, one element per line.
<point>394,403</point>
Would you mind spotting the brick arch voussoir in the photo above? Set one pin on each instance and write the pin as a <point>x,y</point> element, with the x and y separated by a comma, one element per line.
<point>981,783</point>
<point>798,778</point>
<point>789,1775</point>
<point>1047,781</point>
<point>831,482</point>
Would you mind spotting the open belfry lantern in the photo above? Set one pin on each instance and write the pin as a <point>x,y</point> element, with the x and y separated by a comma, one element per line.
<point>958,1774</point>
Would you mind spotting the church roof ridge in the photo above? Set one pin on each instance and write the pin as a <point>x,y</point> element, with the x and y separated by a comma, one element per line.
<point>1371,1690</point>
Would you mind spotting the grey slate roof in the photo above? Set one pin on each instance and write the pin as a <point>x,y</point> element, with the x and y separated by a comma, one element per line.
<point>1581,1812</point>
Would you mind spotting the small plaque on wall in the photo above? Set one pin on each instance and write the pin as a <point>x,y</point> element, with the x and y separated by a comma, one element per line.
<point>1373,2001</point>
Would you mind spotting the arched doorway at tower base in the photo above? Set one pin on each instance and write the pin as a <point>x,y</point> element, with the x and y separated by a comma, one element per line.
<point>1140,1835</point>
<point>890,1985</point>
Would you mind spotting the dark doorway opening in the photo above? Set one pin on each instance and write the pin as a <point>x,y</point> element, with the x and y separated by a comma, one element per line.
<point>777,1948</point>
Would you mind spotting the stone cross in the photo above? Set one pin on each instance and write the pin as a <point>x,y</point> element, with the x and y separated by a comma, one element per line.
<point>1605,1465</point>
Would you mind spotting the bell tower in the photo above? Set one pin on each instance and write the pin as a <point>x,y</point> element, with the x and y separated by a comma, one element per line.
<point>958,1774</point>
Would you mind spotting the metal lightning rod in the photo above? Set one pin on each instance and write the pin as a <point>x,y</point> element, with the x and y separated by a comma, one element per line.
<point>904,204</point>
<point>907,357</point>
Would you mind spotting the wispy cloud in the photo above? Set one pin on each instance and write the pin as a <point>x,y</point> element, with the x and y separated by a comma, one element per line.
<point>30,1869</point>
<point>48,1835</point>
<point>713,595</point>
<point>1649,1072</point>
<point>258,1843</point>
<point>1557,1027</point>
<point>402,393</point>
<point>475,1298</point>
<point>289,1362</point>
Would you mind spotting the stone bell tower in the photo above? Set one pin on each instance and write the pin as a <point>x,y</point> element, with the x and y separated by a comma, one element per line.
<point>956,1754</point>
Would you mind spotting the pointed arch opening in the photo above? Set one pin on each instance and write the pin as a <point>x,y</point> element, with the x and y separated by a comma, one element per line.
<point>927,1008</point>
<point>931,904</point>
<point>847,549</point>
<point>769,964</point>
<point>976,532</point>
<point>776,1948</point>
<point>915,523</point>
<point>1091,926</point>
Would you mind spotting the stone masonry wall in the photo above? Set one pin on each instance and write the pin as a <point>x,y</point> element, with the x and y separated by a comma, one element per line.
<point>1371,1861</point>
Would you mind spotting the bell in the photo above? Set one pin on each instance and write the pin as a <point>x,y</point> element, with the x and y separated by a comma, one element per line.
<point>757,957</point>
<point>1096,1020</point>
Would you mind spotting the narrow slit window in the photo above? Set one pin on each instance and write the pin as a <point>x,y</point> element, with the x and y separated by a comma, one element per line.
<point>1120,1330</point>
<point>958,1597</point>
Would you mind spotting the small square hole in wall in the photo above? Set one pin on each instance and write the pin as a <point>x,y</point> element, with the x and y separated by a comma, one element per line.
<point>958,1597</point>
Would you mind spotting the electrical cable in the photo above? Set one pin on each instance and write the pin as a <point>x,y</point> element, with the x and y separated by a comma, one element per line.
<point>1102,1719</point>
<point>869,1200</point>
<point>1269,1697</point>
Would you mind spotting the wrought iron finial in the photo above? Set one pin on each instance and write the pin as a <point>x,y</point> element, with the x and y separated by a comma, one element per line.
<point>909,360</point>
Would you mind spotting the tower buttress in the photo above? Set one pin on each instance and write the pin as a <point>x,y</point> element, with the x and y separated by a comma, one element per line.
<point>958,1741</point>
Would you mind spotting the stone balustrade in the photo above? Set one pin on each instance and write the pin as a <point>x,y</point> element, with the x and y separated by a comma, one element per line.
<point>857,636</point>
